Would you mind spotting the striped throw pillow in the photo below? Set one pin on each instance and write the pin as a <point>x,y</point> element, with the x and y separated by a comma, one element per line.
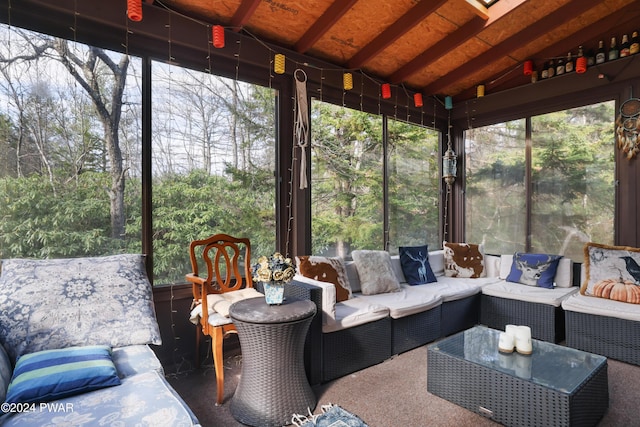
<point>48,375</point>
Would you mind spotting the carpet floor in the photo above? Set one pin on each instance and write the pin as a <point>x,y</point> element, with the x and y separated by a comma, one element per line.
<point>391,394</point>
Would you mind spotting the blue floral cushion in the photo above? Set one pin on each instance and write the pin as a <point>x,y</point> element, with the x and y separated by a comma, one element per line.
<point>414,261</point>
<point>534,269</point>
<point>135,359</point>
<point>145,399</point>
<point>59,303</point>
<point>48,375</point>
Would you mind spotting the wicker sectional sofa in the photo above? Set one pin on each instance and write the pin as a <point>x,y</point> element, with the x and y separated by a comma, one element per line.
<point>604,317</point>
<point>368,329</point>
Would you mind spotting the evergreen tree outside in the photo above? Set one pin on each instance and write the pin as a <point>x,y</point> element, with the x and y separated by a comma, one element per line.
<point>572,183</point>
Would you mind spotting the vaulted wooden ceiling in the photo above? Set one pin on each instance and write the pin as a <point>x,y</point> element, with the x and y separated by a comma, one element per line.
<point>431,46</point>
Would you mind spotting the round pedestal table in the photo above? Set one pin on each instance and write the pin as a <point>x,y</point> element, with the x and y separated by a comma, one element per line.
<point>273,384</point>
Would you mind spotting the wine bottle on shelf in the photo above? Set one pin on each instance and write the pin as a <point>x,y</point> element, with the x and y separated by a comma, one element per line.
<point>551,69</point>
<point>544,73</point>
<point>634,47</point>
<point>613,50</point>
<point>591,58</point>
<point>624,47</point>
<point>568,65</point>
<point>560,66</point>
<point>600,55</point>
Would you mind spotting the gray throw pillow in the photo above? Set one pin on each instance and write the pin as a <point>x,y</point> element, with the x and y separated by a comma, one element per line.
<point>375,272</point>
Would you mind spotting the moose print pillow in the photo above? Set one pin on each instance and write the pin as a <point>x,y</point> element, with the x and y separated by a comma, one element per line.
<point>534,269</point>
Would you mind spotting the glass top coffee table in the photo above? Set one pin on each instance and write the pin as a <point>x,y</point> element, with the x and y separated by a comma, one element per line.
<point>554,386</point>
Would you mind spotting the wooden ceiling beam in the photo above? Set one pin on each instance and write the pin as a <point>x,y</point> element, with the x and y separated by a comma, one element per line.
<point>504,48</point>
<point>406,22</point>
<point>453,40</point>
<point>322,25</point>
<point>244,13</point>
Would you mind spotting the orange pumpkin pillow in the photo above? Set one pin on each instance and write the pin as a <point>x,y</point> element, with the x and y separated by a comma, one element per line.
<point>612,272</point>
<point>326,269</point>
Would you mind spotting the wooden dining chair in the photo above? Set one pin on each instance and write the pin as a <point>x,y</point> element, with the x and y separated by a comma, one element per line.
<point>224,282</point>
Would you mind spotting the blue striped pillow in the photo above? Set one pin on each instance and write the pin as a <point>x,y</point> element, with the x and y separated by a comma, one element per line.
<point>53,374</point>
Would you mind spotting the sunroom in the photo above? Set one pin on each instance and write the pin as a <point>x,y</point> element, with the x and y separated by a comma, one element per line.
<point>316,128</point>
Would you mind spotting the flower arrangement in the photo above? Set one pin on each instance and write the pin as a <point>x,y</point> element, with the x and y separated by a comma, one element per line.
<point>275,268</point>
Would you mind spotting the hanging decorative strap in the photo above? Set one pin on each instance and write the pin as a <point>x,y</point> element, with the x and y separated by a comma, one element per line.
<point>302,123</point>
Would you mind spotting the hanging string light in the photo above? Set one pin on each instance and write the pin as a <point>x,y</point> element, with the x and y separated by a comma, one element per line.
<point>528,67</point>
<point>218,36</point>
<point>480,91</point>
<point>134,10</point>
<point>278,63</point>
<point>385,88</point>
<point>347,81</point>
<point>448,102</point>
<point>417,100</point>
<point>581,62</point>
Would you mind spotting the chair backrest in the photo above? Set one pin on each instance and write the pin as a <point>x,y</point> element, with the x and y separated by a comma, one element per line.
<point>222,255</point>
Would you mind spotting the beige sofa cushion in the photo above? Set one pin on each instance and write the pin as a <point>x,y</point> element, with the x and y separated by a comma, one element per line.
<point>405,302</point>
<point>353,312</point>
<point>602,307</point>
<point>517,291</point>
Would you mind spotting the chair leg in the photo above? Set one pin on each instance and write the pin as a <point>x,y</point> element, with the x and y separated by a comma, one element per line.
<point>198,337</point>
<point>218,362</point>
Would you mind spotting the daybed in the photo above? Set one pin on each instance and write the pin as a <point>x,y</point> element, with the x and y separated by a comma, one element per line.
<point>604,318</point>
<point>89,323</point>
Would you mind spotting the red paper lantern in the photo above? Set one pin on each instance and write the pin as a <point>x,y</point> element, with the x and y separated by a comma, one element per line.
<point>528,67</point>
<point>417,99</point>
<point>581,64</point>
<point>386,90</point>
<point>134,10</point>
<point>218,36</point>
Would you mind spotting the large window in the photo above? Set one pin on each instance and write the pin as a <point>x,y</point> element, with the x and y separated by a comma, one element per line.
<point>70,155</point>
<point>414,178</point>
<point>348,192</point>
<point>346,180</point>
<point>569,170</point>
<point>213,164</point>
<point>495,202</point>
<point>69,148</point>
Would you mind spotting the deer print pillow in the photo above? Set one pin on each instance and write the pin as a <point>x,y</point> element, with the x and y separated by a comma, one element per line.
<point>414,261</point>
<point>534,269</point>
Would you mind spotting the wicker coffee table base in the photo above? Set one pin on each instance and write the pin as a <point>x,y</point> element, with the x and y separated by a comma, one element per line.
<point>513,401</point>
